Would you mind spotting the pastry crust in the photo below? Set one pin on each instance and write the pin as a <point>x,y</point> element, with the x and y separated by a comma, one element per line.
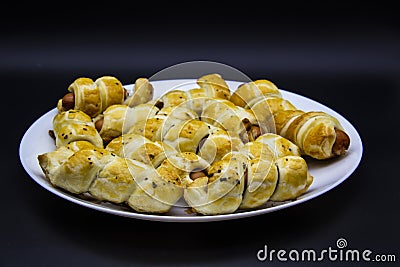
<point>186,136</point>
<point>313,132</point>
<point>50,161</point>
<point>118,119</point>
<point>111,91</point>
<point>142,93</point>
<point>74,125</point>
<point>210,86</point>
<point>87,96</point>
<point>279,145</point>
<point>294,178</point>
<point>156,127</point>
<point>159,189</point>
<point>247,92</point>
<point>77,173</point>
<point>115,182</point>
<point>234,119</point>
<point>221,192</point>
<point>214,85</point>
<point>262,177</point>
<point>93,97</point>
<point>139,148</point>
<point>217,144</point>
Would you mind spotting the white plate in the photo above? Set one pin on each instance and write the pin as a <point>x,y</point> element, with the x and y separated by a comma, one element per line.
<point>327,174</point>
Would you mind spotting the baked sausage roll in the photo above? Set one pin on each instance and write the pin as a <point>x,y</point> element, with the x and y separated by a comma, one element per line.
<point>159,189</point>
<point>92,97</point>
<point>261,180</point>
<point>294,178</point>
<point>261,174</point>
<point>238,121</point>
<point>156,127</point>
<point>220,192</point>
<point>138,147</point>
<point>108,177</point>
<point>317,134</point>
<point>118,119</point>
<point>211,86</point>
<point>50,161</point>
<point>196,136</point>
<point>252,91</point>
<point>113,182</point>
<point>279,145</point>
<point>215,86</point>
<point>74,125</point>
<point>96,171</point>
<point>76,173</point>
<point>275,171</point>
<point>143,92</point>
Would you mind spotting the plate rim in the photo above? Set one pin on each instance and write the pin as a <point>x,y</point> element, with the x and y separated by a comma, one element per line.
<point>197,218</point>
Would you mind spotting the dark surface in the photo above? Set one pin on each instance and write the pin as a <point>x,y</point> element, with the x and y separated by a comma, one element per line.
<point>347,58</point>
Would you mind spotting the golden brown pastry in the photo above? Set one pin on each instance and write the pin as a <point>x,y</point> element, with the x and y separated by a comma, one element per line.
<point>118,119</point>
<point>294,178</point>
<point>279,145</point>
<point>155,127</point>
<point>138,147</point>
<point>220,191</point>
<point>316,133</point>
<point>74,125</point>
<point>251,91</point>
<point>92,97</point>
<point>210,86</point>
<point>237,121</point>
<point>274,171</point>
<point>143,92</point>
<point>208,141</point>
<point>82,168</point>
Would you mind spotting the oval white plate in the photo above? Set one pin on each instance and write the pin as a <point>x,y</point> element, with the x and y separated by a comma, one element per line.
<point>327,174</point>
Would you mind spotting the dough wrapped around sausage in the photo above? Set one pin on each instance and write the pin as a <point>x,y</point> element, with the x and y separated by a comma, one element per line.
<point>208,141</point>
<point>92,97</point>
<point>159,189</point>
<point>82,168</point>
<point>294,178</point>
<point>239,122</point>
<point>74,125</point>
<point>138,147</point>
<point>279,145</point>
<point>275,171</point>
<point>118,119</point>
<point>220,192</point>
<point>143,92</point>
<point>317,134</point>
<point>95,170</point>
<point>156,126</point>
<point>210,86</point>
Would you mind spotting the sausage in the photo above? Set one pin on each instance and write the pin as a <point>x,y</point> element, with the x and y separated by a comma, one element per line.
<point>99,124</point>
<point>247,124</point>
<point>68,101</point>
<point>254,132</point>
<point>197,174</point>
<point>341,144</point>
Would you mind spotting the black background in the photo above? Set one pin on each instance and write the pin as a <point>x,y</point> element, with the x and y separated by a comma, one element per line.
<point>344,56</point>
